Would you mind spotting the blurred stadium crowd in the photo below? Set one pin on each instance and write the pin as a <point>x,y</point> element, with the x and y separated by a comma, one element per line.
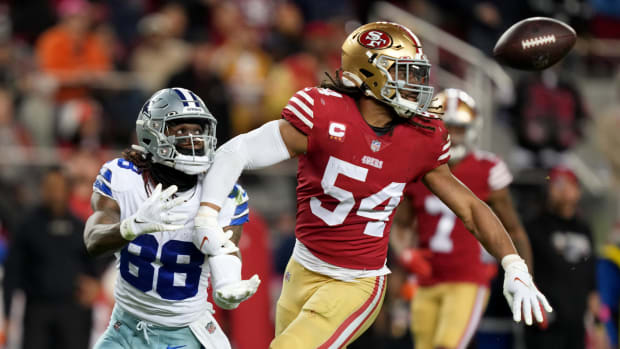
<point>74,73</point>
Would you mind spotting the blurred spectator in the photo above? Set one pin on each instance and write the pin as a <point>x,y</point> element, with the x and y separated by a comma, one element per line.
<point>322,10</point>
<point>48,261</point>
<point>79,124</point>
<point>244,66</point>
<point>322,43</point>
<point>607,125</point>
<point>82,167</point>
<point>159,54</point>
<point>225,18</point>
<point>605,23</point>
<point>289,76</point>
<point>13,136</point>
<point>564,265</point>
<point>176,17</point>
<point>485,20</point>
<point>548,117</point>
<point>22,14</point>
<point>72,53</point>
<point>200,76</point>
<point>123,16</point>
<point>286,36</point>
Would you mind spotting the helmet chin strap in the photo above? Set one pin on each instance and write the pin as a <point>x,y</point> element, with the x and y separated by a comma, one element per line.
<point>191,169</point>
<point>184,163</point>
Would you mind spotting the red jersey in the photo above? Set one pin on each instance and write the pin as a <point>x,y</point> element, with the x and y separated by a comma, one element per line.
<point>457,255</point>
<point>350,179</point>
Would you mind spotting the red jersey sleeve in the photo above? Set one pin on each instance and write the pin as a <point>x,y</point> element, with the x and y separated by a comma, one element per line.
<point>499,175</point>
<point>299,110</point>
<point>438,152</point>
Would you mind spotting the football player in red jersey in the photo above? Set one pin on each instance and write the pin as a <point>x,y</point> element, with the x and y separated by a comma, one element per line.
<point>360,140</point>
<point>451,298</point>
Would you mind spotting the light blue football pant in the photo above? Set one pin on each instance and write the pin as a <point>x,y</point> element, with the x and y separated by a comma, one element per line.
<point>127,331</point>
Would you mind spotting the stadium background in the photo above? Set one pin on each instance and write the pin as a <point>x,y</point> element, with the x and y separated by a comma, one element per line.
<point>75,109</point>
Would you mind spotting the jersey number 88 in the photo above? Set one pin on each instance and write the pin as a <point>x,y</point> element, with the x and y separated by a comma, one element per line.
<point>180,267</point>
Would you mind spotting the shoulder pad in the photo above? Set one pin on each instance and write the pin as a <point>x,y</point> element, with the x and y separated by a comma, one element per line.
<point>117,175</point>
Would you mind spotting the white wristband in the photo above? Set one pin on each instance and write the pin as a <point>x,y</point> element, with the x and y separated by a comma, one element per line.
<point>514,261</point>
<point>207,212</point>
<point>128,229</point>
<point>225,270</point>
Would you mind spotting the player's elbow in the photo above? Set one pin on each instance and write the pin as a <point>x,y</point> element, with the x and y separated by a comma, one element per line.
<point>474,208</point>
<point>94,246</point>
<point>470,225</point>
<point>91,246</point>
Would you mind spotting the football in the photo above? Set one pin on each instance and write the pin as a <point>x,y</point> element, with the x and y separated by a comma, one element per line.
<point>534,43</point>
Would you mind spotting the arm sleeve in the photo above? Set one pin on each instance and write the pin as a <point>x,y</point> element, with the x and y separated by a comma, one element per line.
<point>259,148</point>
<point>439,149</point>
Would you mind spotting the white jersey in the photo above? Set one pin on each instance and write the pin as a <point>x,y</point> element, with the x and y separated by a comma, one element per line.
<point>163,277</point>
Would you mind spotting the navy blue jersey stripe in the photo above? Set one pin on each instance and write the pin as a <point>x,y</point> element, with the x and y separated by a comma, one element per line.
<point>234,192</point>
<point>108,175</point>
<point>240,220</point>
<point>102,187</point>
<point>241,208</point>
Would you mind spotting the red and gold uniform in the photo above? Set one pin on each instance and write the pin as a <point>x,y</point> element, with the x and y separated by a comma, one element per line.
<point>448,305</point>
<point>350,180</point>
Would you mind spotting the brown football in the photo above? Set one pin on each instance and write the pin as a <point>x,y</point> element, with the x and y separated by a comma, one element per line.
<point>534,43</point>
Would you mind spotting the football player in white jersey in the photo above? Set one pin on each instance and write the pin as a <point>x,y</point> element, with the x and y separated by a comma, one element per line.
<point>145,203</point>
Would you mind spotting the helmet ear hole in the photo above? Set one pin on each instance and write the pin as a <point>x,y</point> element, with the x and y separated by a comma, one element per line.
<point>146,141</point>
<point>366,73</point>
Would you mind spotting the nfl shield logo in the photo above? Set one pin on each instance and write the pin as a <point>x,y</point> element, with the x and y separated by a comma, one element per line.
<point>375,145</point>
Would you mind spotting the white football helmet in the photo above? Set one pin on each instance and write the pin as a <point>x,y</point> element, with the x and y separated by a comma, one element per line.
<point>459,109</point>
<point>173,106</point>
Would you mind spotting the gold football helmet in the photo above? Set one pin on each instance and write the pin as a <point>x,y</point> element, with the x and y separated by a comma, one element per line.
<point>386,61</point>
<point>459,110</point>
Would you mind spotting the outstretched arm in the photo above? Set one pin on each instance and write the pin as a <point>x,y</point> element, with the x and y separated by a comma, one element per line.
<point>267,145</point>
<point>475,214</point>
<point>501,203</point>
<point>522,295</point>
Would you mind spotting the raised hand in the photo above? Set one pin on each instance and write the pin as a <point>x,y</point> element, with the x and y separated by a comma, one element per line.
<point>154,215</point>
<point>522,295</point>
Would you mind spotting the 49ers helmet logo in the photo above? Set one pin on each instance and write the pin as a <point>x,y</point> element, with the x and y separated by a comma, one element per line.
<point>375,39</point>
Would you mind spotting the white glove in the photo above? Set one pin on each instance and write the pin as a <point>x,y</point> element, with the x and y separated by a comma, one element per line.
<point>208,236</point>
<point>230,296</point>
<point>520,291</point>
<point>154,215</point>
<point>228,288</point>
